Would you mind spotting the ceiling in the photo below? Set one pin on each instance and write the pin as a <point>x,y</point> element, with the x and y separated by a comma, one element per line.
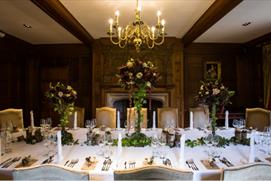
<point>93,15</point>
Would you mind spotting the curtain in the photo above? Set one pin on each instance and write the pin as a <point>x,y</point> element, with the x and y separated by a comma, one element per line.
<point>267,74</point>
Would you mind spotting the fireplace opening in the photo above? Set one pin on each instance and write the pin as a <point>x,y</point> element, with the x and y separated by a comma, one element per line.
<point>122,105</point>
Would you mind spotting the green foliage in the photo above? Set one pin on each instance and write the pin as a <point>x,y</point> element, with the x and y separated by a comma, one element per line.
<point>223,142</point>
<point>66,138</point>
<point>137,139</point>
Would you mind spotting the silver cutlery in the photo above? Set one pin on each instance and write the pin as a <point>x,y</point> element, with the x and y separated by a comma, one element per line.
<point>66,162</point>
<point>191,164</point>
<point>73,162</point>
<point>228,162</point>
<point>5,161</point>
<point>125,165</point>
<point>104,164</point>
<point>11,162</point>
<point>108,164</point>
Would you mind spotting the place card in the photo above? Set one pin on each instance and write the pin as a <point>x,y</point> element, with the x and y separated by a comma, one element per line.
<point>268,159</point>
<point>90,164</point>
<point>209,165</point>
<point>30,162</point>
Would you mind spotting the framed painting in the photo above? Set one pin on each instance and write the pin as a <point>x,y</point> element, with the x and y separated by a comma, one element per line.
<point>212,70</point>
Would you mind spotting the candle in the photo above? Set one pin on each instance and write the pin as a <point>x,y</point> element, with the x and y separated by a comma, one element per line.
<point>163,22</point>
<point>59,147</point>
<point>110,25</point>
<point>117,13</point>
<point>152,30</point>
<point>154,120</point>
<point>119,32</point>
<point>191,120</point>
<point>32,118</point>
<point>158,17</point>
<point>75,120</point>
<point>227,119</point>
<point>118,120</point>
<point>182,143</point>
<point>119,151</point>
<point>252,148</point>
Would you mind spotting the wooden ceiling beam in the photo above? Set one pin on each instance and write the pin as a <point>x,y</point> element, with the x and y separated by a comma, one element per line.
<point>213,14</point>
<point>56,10</point>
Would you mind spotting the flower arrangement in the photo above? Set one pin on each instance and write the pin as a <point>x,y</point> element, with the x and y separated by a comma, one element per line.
<point>213,93</point>
<point>138,77</point>
<point>137,73</point>
<point>62,97</point>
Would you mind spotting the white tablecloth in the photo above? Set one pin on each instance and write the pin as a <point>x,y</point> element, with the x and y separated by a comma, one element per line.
<point>236,154</point>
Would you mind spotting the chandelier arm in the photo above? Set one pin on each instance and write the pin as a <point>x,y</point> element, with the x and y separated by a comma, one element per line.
<point>148,44</point>
<point>161,42</point>
<point>122,46</point>
<point>114,42</point>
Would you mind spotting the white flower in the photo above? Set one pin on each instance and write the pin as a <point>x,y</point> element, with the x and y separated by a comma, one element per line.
<point>222,87</point>
<point>201,87</point>
<point>130,75</point>
<point>69,87</point>
<point>144,65</point>
<point>129,64</point>
<point>207,92</point>
<point>216,91</point>
<point>148,84</point>
<point>60,94</point>
<point>139,75</point>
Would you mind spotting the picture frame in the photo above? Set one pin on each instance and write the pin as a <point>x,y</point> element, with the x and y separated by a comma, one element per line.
<point>212,70</point>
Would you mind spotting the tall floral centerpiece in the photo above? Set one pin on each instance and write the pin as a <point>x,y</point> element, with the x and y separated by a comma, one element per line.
<point>62,98</point>
<point>214,94</point>
<point>138,77</point>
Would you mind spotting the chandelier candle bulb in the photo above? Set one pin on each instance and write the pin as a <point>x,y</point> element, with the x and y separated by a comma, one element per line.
<point>119,32</point>
<point>152,30</point>
<point>110,25</point>
<point>32,118</point>
<point>158,17</point>
<point>191,120</point>
<point>117,14</point>
<point>154,120</point>
<point>227,119</point>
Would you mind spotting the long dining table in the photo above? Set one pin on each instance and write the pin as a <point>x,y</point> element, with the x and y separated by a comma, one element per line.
<point>236,154</point>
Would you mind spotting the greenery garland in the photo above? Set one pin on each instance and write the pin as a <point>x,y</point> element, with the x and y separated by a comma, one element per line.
<point>137,139</point>
<point>222,142</point>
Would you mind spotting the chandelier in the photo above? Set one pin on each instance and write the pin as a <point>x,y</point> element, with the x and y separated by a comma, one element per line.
<point>137,32</point>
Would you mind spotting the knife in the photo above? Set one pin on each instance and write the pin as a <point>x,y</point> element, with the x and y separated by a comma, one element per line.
<point>5,161</point>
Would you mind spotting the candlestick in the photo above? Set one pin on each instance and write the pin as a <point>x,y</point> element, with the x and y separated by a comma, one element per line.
<point>227,119</point>
<point>75,120</point>
<point>32,118</point>
<point>118,120</point>
<point>154,120</point>
<point>182,143</point>
<point>191,120</point>
<point>59,147</point>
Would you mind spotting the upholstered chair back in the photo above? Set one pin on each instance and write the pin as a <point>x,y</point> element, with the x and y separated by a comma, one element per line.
<point>49,172</point>
<point>80,117</point>
<point>153,173</point>
<point>167,117</point>
<point>258,118</point>
<point>106,116</point>
<point>255,171</point>
<point>132,116</point>
<point>11,116</point>
<point>200,116</point>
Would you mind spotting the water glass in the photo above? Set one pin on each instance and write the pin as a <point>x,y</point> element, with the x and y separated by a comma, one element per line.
<point>88,124</point>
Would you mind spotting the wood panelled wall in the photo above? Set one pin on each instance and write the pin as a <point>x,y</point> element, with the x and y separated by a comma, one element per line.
<point>26,70</point>
<point>240,71</point>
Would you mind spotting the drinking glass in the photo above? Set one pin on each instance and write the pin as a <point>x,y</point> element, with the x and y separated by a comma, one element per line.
<point>92,124</point>
<point>101,143</point>
<point>235,123</point>
<point>88,124</point>
<point>154,143</point>
<point>163,142</point>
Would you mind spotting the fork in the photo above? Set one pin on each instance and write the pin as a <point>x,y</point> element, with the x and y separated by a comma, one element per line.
<point>192,164</point>
<point>104,164</point>
<point>11,162</point>
<point>75,162</point>
<point>71,162</point>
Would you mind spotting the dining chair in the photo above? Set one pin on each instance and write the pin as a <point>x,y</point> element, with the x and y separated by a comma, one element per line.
<point>200,116</point>
<point>167,117</point>
<point>153,173</point>
<point>12,116</point>
<point>80,117</point>
<point>258,118</point>
<point>106,116</point>
<point>49,172</point>
<point>132,116</point>
<point>255,171</point>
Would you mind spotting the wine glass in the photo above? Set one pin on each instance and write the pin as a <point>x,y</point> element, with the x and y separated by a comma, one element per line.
<point>101,143</point>
<point>235,123</point>
<point>92,124</point>
<point>49,123</point>
<point>154,143</point>
<point>88,124</point>
<point>163,142</point>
